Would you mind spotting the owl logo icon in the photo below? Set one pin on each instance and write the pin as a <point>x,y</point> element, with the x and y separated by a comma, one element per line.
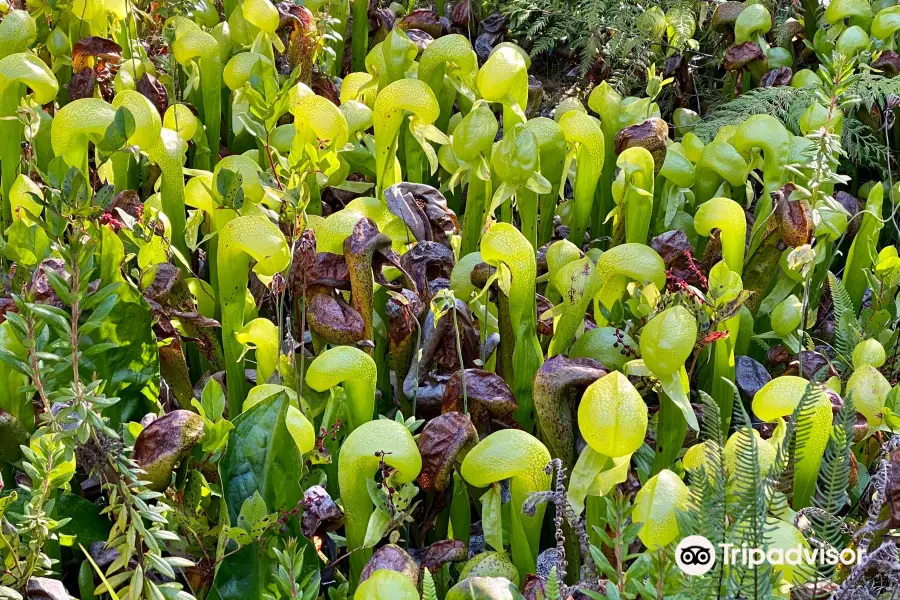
<point>695,555</point>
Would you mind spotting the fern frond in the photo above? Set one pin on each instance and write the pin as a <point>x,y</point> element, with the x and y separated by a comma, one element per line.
<point>711,425</point>
<point>708,499</point>
<point>846,324</point>
<point>804,419</point>
<point>873,89</point>
<point>747,502</point>
<point>428,590</point>
<point>760,342</point>
<point>797,429</point>
<point>834,478</point>
<point>840,296</point>
<point>784,103</point>
<point>551,590</point>
<point>682,23</point>
<point>862,146</point>
<point>588,56</point>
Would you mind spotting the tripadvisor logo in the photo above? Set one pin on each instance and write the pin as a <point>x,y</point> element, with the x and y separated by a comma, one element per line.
<point>696,555</point>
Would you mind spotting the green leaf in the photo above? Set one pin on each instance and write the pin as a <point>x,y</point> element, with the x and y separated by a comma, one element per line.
<point>590,463</point>
<point>55,317</point>
<point>539,184</point>
<point>603,563</point>
<point>242,575</point>
<point>213,400</point>
<point>95,349</point>
<point>239,535</point>
<point>86,581</point>
<point>86,524</point>
<point>228,186</point>
<point>311,585</point>
<point>254,127</point>
<point>681,26</point>
<point>99,315</point>
<point>99,296</point>
<point>60,286</point>
<point>460,514</point>
<point>13,435</point>
<point>378,525</point>
<point>261,526</point>
<point>262,80</point>
<point>301,429</point>
<point>119,131</point>
<point>192,78</point>
<point>10,593</point>
<point>14,362</point>
<point>99,572</point>
<point>357,187</point>
<point>491,518</point>
<point>75,188</point>
<point>261,456</point>
<point>131,372</point>
<point>252,510</point>
<point>652,23</point>
<point>25,244</point>
<point>673,387</point>
<point>192,229</point>
<point>216,435</point>
<point>104,196</point>
<point>5,501</point>
<point>724,284</point>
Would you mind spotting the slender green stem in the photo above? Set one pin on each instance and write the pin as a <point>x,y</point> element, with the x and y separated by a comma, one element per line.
<point>360,35</point>
<point>548,212</point>
<point>477,194</point>
<point>10,150</point>
<point>604,201</point>
<point>413,157</point>
<point>506,212</point>
<point>594,516</point>
<point>671,431</point>
<point>528,214</point>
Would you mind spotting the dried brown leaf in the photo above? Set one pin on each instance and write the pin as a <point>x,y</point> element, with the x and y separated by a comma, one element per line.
<point>443,443</point>
<point>424,210</point>
<point>443,552</point>
<point>392,558</point>
<point>149,87</point>
<point>161,446</point>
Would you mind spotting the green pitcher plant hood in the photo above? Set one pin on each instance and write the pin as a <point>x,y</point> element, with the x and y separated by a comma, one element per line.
<point>586,143</point>
<point>503,78</point>
<point>240,240</point>
<point>355,371</point>
<point>521,458</point>
<point>399,99</point>
<point>358,460</point>
<point>192,43</point>
<point>19,70</point>
<point>447,66</point>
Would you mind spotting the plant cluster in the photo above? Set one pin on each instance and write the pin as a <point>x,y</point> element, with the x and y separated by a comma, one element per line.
<point>305,301</point>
